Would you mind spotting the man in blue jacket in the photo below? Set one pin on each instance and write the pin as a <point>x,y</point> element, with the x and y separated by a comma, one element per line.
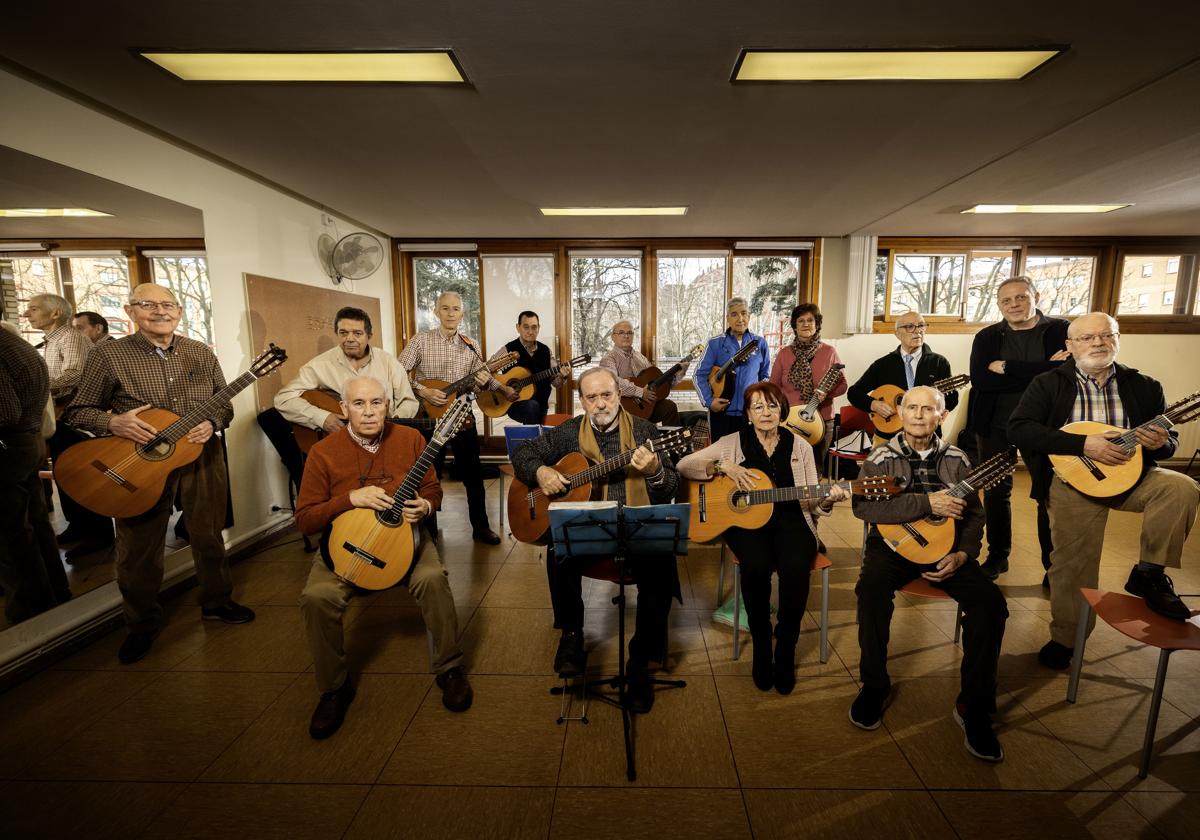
<point>1005,358</point>
<point>725,415</point>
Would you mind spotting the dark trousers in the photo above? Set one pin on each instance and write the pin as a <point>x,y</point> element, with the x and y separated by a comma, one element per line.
<point>785,544</point>
<point>529,412</point>
<point>465,446</point>
<point>77,516</point>
<point>279,431</point>
<point>997,507</point>
<point>657,581</point>
<point>721,423</point>
<point>984,614</point>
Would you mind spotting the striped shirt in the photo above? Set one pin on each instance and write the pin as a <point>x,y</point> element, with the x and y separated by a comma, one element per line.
<point>627,364</point>
<point>1098,404</point>
<point>924,470</point>
<point>65,350</point>
<point>131,372</point>
<point>430,355</point>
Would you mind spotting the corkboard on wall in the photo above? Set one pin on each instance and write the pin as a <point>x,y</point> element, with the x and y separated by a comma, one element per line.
<point>298,318</point>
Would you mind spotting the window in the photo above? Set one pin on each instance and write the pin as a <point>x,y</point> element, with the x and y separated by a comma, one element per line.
<point>33,276</point>
<point>186,275</point>
<point>931,284</point>
<point>1147,269</point>
<point>881,278</point>
<point>691,303</point>
<point>435,275</point>
<point>605,288</point>
<point>771,286</point>
<point>985,272</point>
<point>1172,265</point>
<point>99,283</point>
<point>1168,297</point>
<point>1064,282</point>
<point>1143,300</point>
<point>1161,283</point>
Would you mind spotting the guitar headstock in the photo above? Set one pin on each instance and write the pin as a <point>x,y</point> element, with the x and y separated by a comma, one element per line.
<point>952,383</point>
<point>672,443</point>
<point>580,361</point>
<point>877,486</point>
<point>454,419</point>
<point>1184,410</point>
<point>268,361</point>
<point>501,362</point>
<point>693,354</point>
<point>830,378</point>
<point>994,469</point>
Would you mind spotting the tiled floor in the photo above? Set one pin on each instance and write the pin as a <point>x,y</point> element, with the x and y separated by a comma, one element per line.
<point>208,736</point>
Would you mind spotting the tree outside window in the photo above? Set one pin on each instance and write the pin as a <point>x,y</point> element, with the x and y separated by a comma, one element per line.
<point>187,277</point>
<point>435,275</point>
<point>604,290</point>
<point>770,285</point>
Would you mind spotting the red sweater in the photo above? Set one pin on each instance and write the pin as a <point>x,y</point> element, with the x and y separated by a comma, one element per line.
<point>336,465</point>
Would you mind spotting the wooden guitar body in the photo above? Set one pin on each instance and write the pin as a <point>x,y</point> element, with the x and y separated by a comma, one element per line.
<point>113,476</point>
<point>925,541</point>
<point>494,403</point>
<point>1092,478</point>
<point>644,408</point>
<point>808,426</point>
<point>715,509</point>
<point>529,517</point>
<point>436,411</point>
<point>723,387</point>
<point>892,395</point>
<point>367,550</point>
<point>306,437</point>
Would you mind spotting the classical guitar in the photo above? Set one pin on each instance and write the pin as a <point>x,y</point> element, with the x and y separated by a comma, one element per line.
<point>529,507</point>
<point>329,401</point>
<point>893,394</point>
<point>718,504</point>
<point>462,386</point>
<point>114,476</point>
<point>494,404</point>
<point>373,549</point>
<point>653,379</point>
<point>1102,480</point>
<point>805,420</point>
<point>930,539</point>
<point>723,380</point>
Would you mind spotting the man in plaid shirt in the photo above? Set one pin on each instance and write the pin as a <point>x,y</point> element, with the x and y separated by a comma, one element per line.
<point>443,353</point>
<point>156,368</point>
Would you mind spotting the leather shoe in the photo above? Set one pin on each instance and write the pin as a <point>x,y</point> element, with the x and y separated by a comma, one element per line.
<point>570,660</point>
<point>1157,589</point>
<point>230,612</point>
<point>135,647</point>
<point>1056,657</point>
<point>639,691</point>
<point>486,536</point>
<point>994,568</point>
<point>456,690</point>
<point>331,711</point>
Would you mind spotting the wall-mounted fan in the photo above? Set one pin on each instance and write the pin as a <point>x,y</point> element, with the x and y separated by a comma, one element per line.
<point>353,257</point>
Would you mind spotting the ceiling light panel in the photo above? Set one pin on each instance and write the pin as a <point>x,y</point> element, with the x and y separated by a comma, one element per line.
<point>48,212</point>
<point>940,65</point>
<point>614,211</point>
<point>1044,208</point>
<point>417,67</point>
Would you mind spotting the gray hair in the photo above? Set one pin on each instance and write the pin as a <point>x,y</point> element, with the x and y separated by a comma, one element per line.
<point>56,302</point>
<point>611,373</point>
<point>450,293</point>
<point>939,398</point>
<point>1019,278</point>
<point>1072,331</point>
<point>734,303</point>
<point>364,380</point>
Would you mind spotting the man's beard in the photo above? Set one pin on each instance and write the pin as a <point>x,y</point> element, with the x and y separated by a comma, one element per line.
<point>604,418</point>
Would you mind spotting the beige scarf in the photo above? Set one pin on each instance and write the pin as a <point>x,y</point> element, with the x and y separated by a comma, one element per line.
<point>635,482</point>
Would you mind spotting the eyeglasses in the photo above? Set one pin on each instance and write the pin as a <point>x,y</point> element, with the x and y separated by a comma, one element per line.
<point>765,408</point>
<point>1088,338</point>
<point>151,305</point>
<point>913,327</point>
<point>622,332</point>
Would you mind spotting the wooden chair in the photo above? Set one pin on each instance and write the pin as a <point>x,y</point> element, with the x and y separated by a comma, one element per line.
<point>1130,615</point>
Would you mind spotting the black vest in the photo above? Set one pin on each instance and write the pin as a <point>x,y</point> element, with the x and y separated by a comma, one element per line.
<point>538,362</point>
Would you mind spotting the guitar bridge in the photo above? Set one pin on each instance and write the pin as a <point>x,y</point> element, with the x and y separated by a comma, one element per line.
<point>365,556</point>
<point>703,506</point>
<point>1093,468</point>
<point>115,477</point>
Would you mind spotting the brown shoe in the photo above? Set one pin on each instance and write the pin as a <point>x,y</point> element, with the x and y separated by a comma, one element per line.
<point>331,711</point>
<point>456,690</point>
<point>486,536</point>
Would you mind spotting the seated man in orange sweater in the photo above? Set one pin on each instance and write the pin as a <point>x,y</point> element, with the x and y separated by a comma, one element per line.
<point>360,467</point>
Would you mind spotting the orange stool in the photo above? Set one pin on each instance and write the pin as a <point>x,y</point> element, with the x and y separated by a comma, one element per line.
<point>1130,615</point>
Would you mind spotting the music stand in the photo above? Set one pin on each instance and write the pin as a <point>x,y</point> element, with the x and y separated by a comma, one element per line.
<point>609,529</point>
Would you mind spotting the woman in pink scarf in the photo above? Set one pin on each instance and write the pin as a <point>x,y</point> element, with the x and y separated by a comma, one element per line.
<point>800,366</point>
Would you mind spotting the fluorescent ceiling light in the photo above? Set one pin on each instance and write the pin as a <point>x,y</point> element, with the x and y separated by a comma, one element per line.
<point>48,212</point>
<point>438,246</point>
<point>889,65</point>
<point>22,246</point>
<point>427,66</point>
<point>614,211</point>
<point>1045,208</point>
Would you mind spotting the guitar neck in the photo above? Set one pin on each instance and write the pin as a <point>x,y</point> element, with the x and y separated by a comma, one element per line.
<point>412,482</point>
<point>600,470</point>
<point>979,478</point>
<point>664,378</point>
<point>804,492</point>
<point>532,379</point>
<point>206,409</point>
<point>1128,440</point>
<point>823,387</point>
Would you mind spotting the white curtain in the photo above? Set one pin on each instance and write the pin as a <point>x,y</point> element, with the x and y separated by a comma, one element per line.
<point>860,286</point>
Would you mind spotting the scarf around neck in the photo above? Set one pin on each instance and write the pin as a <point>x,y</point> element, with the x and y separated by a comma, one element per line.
<point>801,375</point>
<point>635,482</point>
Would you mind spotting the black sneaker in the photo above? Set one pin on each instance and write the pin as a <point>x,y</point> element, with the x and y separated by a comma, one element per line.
<point>994,567</point>
<point>639,692</point>
<point>979,739</point>
<point>331,711</point>
<point>456,690</point>
<point>230,612</point>
<point>135,647</point>
<point>571,659</point>
<point>1056,657</point>
<point>866,712</point>
<point>1157,589</point>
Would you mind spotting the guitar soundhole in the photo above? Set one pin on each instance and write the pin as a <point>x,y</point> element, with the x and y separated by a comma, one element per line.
<point>389,518</point>
<point>740,501</point>
<point>156,450</point>
<point>806,416</point>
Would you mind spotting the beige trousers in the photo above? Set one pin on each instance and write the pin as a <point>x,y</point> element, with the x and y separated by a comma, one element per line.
<point>325,598</point>
<point>1168,501</point>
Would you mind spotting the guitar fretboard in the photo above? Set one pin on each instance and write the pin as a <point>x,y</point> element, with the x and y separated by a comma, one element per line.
<point>205,411</point>
<point>804,492</point>
<point>823,387</point>
<point>983,476</point>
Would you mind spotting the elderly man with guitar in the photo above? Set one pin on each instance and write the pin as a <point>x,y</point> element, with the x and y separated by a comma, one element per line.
<point>732,362</point>
<point>635,472</point>
<point>643,387</point>
<point>1120,427</point>
<point>360,467</point>
<point>536,373</point>
<point>934,474</point>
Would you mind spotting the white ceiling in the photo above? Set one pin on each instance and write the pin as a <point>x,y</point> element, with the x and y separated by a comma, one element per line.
<point>629,103</point>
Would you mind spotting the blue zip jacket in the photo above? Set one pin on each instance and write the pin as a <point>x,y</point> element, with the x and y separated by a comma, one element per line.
<point>721,349</point>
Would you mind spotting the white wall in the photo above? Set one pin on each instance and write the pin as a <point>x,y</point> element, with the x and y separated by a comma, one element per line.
<point>248,227</point>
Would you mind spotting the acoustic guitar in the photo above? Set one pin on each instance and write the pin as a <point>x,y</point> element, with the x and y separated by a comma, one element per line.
<point>1102,480</point>
<point>930,539</point>
<point>653,379</point>
<point>723,380</point>
<point>718,504</point>
<point>373,549</point>
<point>114,476</point>
<point>462,386</point>
<point>893,394</point>
<point>494,404</point>
<point>805,420</point>
<point>329,401</point>
<point>529,507</point>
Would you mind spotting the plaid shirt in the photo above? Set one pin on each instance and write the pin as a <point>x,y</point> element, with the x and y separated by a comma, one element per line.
<point>430,355</point>
<point>65,350</point>
<point>130,372</point>
<point>627,364</point>
<point>24,385</point>
<point>1096,404</point>
<point>924,470</point>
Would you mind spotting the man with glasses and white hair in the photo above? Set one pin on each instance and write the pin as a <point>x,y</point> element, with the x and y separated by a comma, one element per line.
<point>911,364</point>
<point>1005,357</point>
<point>1093,387</point>
<point>627,363</point>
